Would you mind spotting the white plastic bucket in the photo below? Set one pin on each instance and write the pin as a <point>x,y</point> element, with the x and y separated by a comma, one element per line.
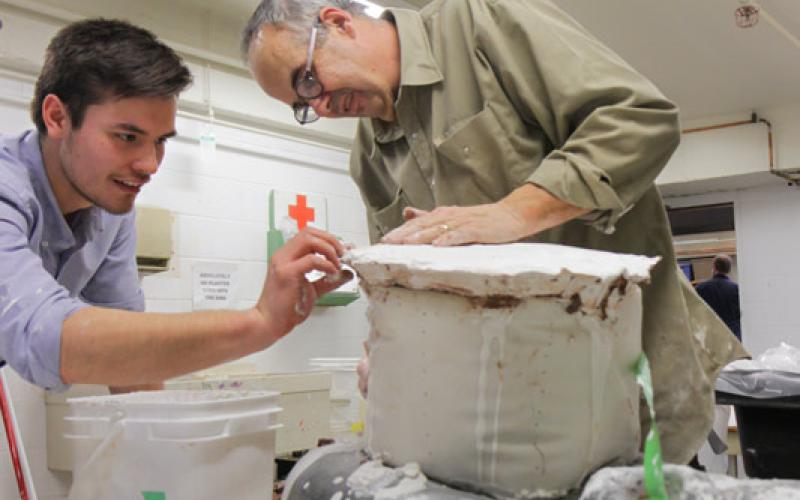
<point>344,380</point>
<point>347,405</point>
<point>174,445</point>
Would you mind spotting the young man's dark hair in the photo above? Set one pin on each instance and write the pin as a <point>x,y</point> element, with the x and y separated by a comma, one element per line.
<point>91,61</point>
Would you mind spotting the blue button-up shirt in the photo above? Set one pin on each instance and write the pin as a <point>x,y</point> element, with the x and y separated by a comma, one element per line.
<point>50,268</point>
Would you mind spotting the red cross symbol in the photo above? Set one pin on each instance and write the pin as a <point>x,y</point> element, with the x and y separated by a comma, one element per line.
<point>301,212</point>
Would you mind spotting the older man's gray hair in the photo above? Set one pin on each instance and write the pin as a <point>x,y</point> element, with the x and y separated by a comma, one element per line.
<point>295,15</point>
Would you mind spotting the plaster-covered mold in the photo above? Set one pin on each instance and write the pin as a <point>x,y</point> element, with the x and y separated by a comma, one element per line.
<point>504,368</point>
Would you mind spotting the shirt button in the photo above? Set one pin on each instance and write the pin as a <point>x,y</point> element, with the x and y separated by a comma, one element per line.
<point>466,150</point>
<point>45,244</point>
<point>433,183</point>
<point>414,135</point>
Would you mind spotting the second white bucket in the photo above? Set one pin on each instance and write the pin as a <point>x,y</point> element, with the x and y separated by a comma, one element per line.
<point>347,405</point>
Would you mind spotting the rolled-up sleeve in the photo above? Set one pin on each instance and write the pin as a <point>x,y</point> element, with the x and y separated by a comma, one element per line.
<point>612,130</point>
<point>33,306</point>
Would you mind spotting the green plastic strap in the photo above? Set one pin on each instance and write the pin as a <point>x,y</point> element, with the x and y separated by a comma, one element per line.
<point>154,495</point>
<point>653,462</point>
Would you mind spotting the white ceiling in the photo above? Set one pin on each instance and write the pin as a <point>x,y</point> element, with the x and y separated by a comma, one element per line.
<point>691,49</point>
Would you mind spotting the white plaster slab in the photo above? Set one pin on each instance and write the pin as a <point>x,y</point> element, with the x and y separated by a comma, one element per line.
<point>521,270</point>
<point>497,261</point>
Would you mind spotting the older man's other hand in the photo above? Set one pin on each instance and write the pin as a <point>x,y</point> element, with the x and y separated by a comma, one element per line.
<point>528,210</point>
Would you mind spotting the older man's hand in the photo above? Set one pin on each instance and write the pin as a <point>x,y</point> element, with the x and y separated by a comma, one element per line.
<point>526,211</point>
<point>446,226</point>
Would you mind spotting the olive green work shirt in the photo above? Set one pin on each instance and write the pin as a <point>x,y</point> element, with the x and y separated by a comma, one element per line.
<point>498,93</point>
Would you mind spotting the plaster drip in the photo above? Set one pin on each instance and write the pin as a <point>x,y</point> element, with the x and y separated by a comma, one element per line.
<point>493,331</point>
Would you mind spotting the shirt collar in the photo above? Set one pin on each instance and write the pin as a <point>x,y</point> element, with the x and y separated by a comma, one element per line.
<point>417,65</point>
<point>61,236</point>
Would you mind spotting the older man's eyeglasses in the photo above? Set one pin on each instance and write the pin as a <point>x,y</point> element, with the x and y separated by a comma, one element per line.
<point>306,86</point>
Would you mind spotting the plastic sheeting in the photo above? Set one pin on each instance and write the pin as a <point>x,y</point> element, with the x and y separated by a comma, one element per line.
<point>774,374</point>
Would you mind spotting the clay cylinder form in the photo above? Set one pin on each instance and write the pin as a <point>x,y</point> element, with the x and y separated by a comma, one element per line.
<point>503,368</point>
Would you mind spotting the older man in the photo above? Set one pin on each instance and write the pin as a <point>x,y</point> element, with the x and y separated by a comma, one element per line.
<point>502,120</point>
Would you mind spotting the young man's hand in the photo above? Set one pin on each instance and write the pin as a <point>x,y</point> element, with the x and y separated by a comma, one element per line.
<point>288,297</point>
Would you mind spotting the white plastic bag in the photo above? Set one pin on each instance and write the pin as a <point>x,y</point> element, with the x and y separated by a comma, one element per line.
<point>774,374</point>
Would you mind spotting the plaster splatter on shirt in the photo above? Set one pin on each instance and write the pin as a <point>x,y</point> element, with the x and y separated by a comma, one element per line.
<point>8,306</point>
<point>700,335</point>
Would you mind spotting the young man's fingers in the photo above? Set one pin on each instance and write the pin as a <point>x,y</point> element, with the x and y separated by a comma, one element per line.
<point>327,237</point>
<point>308,242</point>
<point>314,262</point>
<point>306,301</point>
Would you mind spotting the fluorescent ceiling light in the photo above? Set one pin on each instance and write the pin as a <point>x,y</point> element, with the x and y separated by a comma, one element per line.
<point>372,9</point>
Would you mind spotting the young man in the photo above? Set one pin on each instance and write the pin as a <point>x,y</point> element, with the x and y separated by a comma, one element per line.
<point>70,300</point>
<point>489,121</point>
